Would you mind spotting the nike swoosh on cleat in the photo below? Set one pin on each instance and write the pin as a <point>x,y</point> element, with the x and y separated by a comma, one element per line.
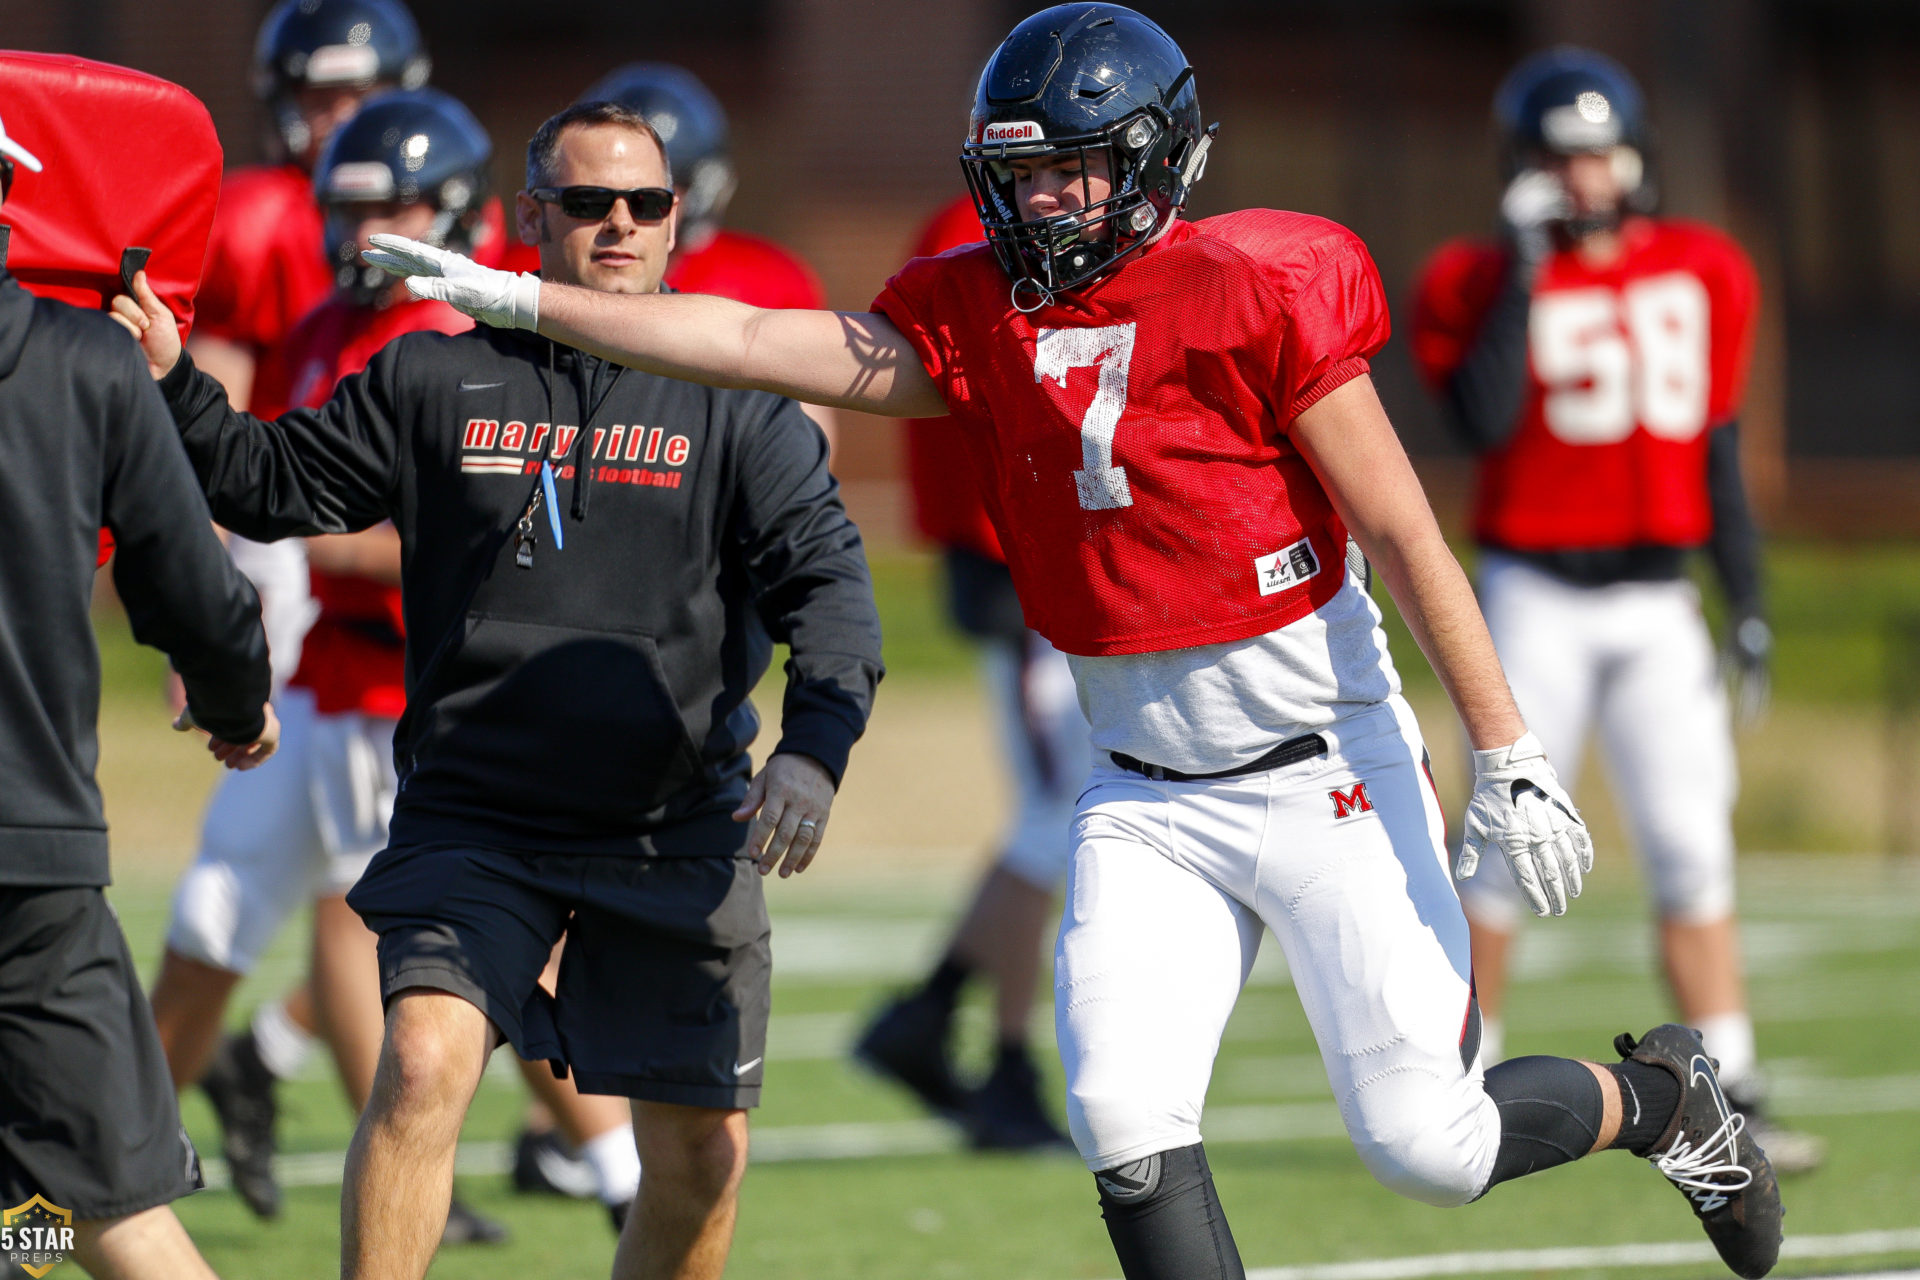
<point>478,386</point>
<point>741,1069</point>
<point>1702,1069</point>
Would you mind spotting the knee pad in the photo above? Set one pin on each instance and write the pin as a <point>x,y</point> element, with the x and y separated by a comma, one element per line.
<point>1165,1220</point>
<point>1423,1136</point>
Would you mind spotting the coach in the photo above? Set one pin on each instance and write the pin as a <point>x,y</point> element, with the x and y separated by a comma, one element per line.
<point>595,565</point>
<point>88,1119</point>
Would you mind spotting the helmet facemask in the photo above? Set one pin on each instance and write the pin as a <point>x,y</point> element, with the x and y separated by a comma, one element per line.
<point>1048,256</point>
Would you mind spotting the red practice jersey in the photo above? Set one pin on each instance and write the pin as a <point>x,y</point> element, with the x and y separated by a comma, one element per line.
<point>267,261</point>
<point>1131,439</point>
<point>748,269</point>
<point>1629,366</point>
<point>354,657</point>
<point>947,506</point>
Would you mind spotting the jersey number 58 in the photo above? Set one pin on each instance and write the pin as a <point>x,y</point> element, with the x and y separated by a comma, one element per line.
<point>1610,360</point>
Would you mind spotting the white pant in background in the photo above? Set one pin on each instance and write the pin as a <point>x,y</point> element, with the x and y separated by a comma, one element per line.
<point>301,826</point>
<point>1635,660</point>
<point>1044,737</point>
<point>1170,886</point>
<point>278,571</point>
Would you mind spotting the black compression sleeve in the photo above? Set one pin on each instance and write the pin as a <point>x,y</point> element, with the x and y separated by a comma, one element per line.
<point>1485,393</point>
<point>1735,543</point>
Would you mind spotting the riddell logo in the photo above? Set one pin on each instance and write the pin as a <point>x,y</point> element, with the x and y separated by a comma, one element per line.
<point>1013,131</point>
<point>1348,803</point>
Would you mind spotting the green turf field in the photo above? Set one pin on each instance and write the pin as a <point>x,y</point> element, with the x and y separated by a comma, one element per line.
<point>850,1182</point>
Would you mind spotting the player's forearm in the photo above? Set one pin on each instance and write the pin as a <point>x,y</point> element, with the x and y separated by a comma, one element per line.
<point>1438,605</point>
<point>1485,394</point>
<point>373,554</point>
<point>1735,542</point>
<point>842,360</point>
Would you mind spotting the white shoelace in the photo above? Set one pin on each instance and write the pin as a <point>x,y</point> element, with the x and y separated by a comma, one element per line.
<point>1708,1173</point>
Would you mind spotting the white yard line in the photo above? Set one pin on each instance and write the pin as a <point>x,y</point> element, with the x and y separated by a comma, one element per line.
<point>1853,1245</point>
<point>1269,1122</point>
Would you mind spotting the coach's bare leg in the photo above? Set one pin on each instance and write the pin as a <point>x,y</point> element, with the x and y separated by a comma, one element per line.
<point>189,1002</point>
<point>149,1245</point>
<point>681,1226</point>
<point>1703,968</point>
<point>1001,936</point>
<point>344,977</point>
<point>399,1176</point>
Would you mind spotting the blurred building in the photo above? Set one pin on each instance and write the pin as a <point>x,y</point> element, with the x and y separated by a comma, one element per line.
<point>1795,123</point>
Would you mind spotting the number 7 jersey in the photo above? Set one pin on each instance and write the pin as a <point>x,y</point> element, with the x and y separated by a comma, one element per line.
<point>1628,368</point>
<point>1131,441</point>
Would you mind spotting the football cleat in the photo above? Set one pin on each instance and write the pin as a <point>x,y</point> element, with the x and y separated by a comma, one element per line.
<point>543,1164</point>
<point>620,1213</point>
<point>910,1042</point>
<point>241,1090</point>
<point>1791,1150</point>
<point>1005,1114</point>
<point>466,1226</point>
<point>1708,1153</point>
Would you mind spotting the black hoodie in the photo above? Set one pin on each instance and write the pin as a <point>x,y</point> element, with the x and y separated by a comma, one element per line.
<point>85,442</point>
<point>595,702</point>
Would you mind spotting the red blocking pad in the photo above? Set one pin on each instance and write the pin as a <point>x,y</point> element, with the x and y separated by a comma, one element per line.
<point>129,161</point>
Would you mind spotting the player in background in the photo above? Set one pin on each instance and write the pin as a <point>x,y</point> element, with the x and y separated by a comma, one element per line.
<point>709,257</point>
<point>267,265</point>
<point>1595,359</point>
<point>307,829</point>
<point>1174,435</point>
<point>1044,738</point>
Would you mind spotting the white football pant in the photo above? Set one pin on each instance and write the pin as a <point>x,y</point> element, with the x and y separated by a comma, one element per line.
<point>1044,737</point>
<point>1343,857</point>
<point>1634,659</point>
<point>278,571</point>
<point>303,825</point>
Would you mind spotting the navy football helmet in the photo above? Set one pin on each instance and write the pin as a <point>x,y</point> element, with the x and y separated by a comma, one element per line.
<point>409,146</point>
<point>321,43</point>
<point>693,127</point>
<point>1083,78</point>
<point>1570,101</point>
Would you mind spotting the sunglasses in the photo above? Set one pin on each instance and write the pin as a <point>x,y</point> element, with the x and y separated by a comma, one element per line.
<point>645,204</point>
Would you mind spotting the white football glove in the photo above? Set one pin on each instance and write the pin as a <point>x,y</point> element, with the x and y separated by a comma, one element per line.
<point>1531,204</point>
<point>1520,808</point>
<point>503,299</point>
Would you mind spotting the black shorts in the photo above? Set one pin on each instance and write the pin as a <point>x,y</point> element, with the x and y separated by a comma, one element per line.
<point>664,982</point>
<point>88,1117</point>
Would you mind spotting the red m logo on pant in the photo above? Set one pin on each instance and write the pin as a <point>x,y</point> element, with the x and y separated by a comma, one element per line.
<point>1348,803</point>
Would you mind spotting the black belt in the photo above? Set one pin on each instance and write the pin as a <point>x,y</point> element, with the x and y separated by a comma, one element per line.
<point>1292,751</point>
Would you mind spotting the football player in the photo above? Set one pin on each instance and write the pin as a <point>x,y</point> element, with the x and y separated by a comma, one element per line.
<point>314,61</point>
<point>1175,435</point>
<point>710,257</point>
<point>1044,736</point>
<point>306,829</point>
<point>1595,358</point>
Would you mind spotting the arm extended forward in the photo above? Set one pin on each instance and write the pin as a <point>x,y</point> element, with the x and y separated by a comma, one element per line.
<point>842,359</point>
